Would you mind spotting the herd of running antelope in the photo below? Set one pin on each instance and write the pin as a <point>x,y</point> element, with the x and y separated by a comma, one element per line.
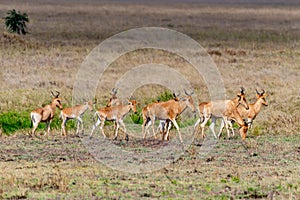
<point>234,110</point>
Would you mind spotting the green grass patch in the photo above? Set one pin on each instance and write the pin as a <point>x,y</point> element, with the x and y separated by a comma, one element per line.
<point>13,121</point>
<point>235,179</point>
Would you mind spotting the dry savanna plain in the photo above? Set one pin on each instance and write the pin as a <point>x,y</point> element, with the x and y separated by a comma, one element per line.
<point>255,45</point>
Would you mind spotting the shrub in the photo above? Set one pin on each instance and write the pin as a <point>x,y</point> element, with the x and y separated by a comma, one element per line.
<point>137,117</point>
<point>166,96</point>
<point>15,22</point>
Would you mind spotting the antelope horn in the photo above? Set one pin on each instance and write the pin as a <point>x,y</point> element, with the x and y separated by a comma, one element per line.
<point>58,93</point>
<point>263,91</point>
<point>114,91</point>
<point>242,90</point>
<point>186,92</point>
<point>189,94</point>
<point>176,95</point>
<point>95,101</point>
<point>132,98</point>
<point>257,92</point>
<point>52,93</point>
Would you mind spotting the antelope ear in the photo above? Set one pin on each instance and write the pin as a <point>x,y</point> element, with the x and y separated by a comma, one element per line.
<point>257,95</point>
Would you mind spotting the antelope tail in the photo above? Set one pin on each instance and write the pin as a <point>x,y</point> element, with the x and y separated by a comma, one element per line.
<point>31,121</point>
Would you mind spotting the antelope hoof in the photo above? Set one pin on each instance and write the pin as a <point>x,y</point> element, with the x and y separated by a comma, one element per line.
<point>127,138</point>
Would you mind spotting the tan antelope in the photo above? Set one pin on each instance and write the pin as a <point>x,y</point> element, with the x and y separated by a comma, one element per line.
<point>168,110</point>
<point>224,109</point>
<point>46,113</point>
<point>165,125</point>
<point>116,114</point>
<point>252,112</point>
<point>113,101</point>
<point>75,112</point>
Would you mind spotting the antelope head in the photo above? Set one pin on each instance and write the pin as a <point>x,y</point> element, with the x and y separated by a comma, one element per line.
<point>190,102</point>
<point>262,95</point>
<point>114,99</point>
<point>90,104</point>
<point>114,92</point>
<point>176,96</point>
<point>56,100</point>
<point>242,98</point>
<point>132,105</point>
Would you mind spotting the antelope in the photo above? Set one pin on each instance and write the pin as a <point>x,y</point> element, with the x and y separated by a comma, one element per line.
<point>116,114</point>
<point>223,109</point>
<point>113,101</point>
<point>75,112</point>
<point>168,110</point>
<point>46,113</point>
<point>165,125</point>
<point>252,112</point>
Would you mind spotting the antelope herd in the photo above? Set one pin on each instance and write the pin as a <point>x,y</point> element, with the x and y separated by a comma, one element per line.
<point>229,111</point>
<point>225,109</point>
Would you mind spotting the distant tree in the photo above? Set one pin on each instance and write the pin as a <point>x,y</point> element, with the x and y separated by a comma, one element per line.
<point>15,22</point>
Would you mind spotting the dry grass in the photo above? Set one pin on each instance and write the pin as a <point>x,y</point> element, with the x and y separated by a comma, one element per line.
<point>253,46</point>
<point>60,168</point>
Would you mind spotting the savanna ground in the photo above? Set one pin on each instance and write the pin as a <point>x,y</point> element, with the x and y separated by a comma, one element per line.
<point>253,45</point>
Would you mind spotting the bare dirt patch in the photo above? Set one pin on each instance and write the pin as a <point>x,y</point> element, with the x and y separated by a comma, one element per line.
<point>63,167</point>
